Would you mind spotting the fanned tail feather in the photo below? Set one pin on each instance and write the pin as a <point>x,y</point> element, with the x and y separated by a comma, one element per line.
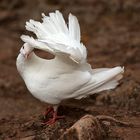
<point>55,36</point>
<point>74,29</point>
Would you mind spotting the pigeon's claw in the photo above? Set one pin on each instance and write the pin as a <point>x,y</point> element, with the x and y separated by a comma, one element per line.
<point>54,118</point>
<point>48,111</point>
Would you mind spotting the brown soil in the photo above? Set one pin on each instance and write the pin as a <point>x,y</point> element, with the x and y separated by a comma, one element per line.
<point>111,32</point>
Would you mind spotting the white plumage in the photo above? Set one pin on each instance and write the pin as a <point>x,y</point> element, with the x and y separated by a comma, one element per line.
<point>68,75</point>
<point>54,36</point>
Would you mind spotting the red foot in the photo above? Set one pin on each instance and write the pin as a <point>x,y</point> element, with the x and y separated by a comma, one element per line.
<point>53,120</point>
<point>54,117</point>
<point>49,110</point>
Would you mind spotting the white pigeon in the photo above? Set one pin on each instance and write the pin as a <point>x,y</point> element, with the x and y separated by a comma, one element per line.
<point>66,76</point>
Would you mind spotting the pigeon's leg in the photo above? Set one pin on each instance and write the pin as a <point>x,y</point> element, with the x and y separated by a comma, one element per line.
<point>48,110</point>
<point>55,116</point>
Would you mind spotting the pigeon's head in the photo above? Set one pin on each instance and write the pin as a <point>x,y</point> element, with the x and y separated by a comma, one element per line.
<point>26,50</point>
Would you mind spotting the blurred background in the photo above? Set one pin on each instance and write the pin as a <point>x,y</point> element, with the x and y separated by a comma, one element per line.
<point>110,29</point>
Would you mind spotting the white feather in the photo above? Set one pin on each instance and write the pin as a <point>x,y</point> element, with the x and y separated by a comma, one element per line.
<point>74,29</point>
<point>53,34</point>
<point>100,78</point>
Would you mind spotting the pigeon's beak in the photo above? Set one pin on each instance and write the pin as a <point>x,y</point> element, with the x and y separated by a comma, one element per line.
<point>25,54</point>
<point>26,50</point>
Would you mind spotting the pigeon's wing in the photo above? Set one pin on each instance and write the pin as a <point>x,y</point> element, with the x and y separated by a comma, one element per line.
<point>65,84</point>
<point>101,79</point>
<point>85,83</point>
<point>54,36</point>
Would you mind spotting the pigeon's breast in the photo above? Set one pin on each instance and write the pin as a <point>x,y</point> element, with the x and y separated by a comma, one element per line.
<point>38,85</point>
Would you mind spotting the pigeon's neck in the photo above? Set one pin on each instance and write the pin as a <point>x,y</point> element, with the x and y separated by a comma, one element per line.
<point>23,64</point>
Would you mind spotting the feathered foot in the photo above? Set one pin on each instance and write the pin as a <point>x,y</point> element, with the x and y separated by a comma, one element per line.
<point>54,118</point>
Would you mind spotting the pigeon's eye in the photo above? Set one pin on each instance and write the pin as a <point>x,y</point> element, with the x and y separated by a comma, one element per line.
<point>23,47</point>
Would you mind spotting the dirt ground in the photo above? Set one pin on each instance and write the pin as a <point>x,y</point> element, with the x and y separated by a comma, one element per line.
<point>111,33</point>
